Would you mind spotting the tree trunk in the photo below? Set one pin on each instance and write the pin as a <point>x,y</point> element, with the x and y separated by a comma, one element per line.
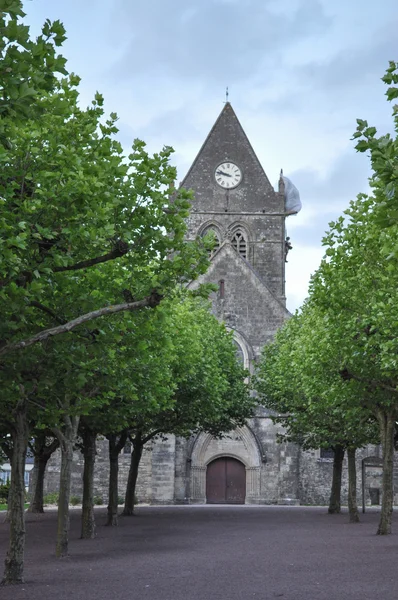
<point>14,562</point>
<point>133,474</point>
<point>116,443</point>
<point>387,429</point>
<point>38,472</point>
<point>113,490</point>
<point>42,453</point>
<point>335,494</point>
<point>352,486</point>
<point>67,439</point>
<point>63,501</point>
<point>89,452</point>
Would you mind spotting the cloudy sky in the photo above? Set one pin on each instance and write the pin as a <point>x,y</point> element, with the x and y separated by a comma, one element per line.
<point>299,73</point>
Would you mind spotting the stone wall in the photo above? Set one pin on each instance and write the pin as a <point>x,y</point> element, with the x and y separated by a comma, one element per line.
<point>170,472</point>
<point>315,477</point>
<point>101,475</point>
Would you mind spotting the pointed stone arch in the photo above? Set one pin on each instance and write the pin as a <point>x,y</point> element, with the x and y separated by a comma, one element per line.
<point>240,444</point>
<point>211,224</point>
<point>241,239</point>
<point>239,226</point>
<point>216,229</point>
<point>247,350</point>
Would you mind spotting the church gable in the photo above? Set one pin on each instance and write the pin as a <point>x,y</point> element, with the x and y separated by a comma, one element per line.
<point>243,301</point>
<point>228,151</point>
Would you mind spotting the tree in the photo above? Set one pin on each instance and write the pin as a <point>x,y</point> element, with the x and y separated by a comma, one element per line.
<point>299,379</point>
<point>354,298</point>
<point>179,360</point>
<point>88,447</point>
<point>139,353</point>
<point>357,286</point>
<point>209,392</point>
<point>42,448</point>
<point>85,232</point>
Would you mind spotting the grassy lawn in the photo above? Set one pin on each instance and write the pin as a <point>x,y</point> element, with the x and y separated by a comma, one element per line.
<point>4,506</point>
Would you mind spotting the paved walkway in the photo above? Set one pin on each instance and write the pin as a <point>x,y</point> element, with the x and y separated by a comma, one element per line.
<point>212,553</point>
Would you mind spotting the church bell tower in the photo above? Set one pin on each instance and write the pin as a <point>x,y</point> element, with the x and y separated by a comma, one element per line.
<point>234,199</point>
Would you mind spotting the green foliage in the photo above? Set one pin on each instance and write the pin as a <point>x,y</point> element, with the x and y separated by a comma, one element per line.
<point>98,500</point>
<point>92,244</point>
<point>383,152</point>
<point>28,68</point>
<point>82,227</point>
<point>4,491</point>
<point>299,379</point>
<point>356,285</point>
<point>93,249</point>
<point>84,231</point>
<point>75,500</point>
<point>183,375</point>
<point>206,389</point>
<point>51,498</point>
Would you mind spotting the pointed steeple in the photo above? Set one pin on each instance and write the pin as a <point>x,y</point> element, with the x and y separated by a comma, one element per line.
<point>227,143</point>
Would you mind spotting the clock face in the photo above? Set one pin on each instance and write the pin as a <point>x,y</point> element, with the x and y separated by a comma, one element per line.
<point>228,175</point>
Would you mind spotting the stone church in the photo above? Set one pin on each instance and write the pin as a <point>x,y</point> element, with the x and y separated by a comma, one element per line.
<point>234,199</point>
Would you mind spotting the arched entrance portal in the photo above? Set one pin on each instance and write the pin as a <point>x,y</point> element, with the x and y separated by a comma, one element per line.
<point>240,444</point>
<point>225,481</point>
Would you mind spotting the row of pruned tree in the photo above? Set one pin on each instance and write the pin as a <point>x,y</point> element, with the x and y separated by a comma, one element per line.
<point>331,376</point>
<point>174,371</point>
<point>97,333</point>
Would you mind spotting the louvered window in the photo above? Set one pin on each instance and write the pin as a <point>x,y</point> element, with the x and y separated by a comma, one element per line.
<point>240,244</point>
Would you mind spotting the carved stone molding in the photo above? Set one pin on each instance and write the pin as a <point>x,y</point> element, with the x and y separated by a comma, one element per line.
<point>242,445</point>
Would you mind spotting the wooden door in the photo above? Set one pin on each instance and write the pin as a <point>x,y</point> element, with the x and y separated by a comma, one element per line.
<point>225,481</point>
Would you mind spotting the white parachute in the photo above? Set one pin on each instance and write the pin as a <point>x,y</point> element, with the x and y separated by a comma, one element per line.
<point>292,197</point>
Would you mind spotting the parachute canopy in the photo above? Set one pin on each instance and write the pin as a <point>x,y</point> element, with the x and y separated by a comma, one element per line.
<point>292,197</point>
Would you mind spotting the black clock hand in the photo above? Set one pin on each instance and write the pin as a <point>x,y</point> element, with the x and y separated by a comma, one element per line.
<point>222,173</point>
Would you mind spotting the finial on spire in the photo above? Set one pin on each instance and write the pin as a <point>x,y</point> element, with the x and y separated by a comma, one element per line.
<point>226,95</point>
<point>281,186</point>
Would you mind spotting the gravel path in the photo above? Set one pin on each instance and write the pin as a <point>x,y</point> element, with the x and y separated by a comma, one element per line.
<point>211,553</point>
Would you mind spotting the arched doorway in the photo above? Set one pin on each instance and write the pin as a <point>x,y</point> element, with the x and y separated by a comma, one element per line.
<point>225,481</point>
<point>240,444</point>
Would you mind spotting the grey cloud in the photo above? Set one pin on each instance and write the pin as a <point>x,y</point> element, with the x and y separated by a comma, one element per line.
<point>355,67</point>
<point>224,41</point>
<point>285,104</point>
<point>327,197</point>
<point>347,83</point>
<point>311,232</point>
<point>346,178</point>
<point>175,125</point>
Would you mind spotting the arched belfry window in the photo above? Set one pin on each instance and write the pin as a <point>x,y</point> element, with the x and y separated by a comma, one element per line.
<point>242,349</point>
<point>217,238</point>
<point>239,242</point>
<point>240,355</point>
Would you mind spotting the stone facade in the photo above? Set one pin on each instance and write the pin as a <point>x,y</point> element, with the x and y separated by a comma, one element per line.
<point>174,471</point>
<point>248,265</point>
